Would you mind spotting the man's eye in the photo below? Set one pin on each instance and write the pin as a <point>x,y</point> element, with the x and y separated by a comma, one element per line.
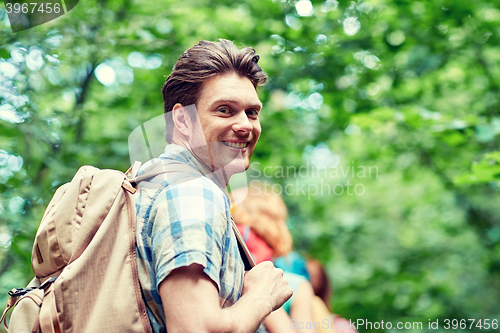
<point>252,113</point>
<point>224,110</point>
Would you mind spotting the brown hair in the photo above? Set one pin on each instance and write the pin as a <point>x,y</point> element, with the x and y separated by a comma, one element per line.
<point>265,213</point>
<point>319,280</point>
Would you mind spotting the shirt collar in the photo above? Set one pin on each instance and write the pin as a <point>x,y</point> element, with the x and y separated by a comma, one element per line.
<point>183,155</point>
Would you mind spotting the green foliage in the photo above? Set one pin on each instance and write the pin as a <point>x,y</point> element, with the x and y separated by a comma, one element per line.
<point>395,100</point>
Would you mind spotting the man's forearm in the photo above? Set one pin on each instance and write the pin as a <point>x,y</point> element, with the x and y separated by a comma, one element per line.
<point>191,301</point>
<point>243,317</point>
<point>191,304</point>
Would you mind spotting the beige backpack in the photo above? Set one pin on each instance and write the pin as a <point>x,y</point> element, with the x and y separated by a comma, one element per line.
<point>84,259</point>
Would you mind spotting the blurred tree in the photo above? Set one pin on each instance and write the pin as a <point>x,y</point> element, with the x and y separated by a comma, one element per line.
<point>380,128</point>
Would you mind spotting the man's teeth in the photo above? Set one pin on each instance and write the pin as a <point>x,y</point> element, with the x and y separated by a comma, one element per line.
<point>238,145</point>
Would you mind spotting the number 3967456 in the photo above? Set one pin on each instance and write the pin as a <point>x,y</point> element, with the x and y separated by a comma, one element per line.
<point>31,8</point>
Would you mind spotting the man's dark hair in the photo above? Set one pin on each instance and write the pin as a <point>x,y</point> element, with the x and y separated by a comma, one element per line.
<point>203,61</point>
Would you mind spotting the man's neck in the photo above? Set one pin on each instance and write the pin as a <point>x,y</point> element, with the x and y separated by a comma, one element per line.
<point>220,175</point>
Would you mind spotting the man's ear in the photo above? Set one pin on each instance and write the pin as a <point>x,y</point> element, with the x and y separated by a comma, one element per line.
<point>181,119</point>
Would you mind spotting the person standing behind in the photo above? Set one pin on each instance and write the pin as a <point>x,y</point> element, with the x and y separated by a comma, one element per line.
<point>323,290</point>
<point>261,219</point>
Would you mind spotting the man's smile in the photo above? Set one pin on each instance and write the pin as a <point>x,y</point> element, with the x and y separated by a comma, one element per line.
<point>239,145</point>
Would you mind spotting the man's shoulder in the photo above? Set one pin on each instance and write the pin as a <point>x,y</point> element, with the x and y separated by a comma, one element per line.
<point>184,204</point>
<point>197,186</point>
<point>191,191</point>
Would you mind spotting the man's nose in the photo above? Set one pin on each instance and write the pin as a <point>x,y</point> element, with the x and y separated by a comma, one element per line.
<point>241,123</point>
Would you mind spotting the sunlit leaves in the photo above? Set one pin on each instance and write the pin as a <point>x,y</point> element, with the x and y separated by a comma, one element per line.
<point>408,88</point>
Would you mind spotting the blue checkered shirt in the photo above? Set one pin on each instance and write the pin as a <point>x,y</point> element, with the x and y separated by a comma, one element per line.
<point>181,221</point>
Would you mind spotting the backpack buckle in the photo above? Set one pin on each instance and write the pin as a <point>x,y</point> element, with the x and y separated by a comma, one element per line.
<point>48,282</point>
<point>20,292</point>
<point>16,292</point>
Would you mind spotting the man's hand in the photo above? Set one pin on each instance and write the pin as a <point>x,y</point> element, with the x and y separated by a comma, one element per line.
<point>265,285</point>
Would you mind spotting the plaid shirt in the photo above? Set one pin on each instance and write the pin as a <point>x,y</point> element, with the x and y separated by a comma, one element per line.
<point>182,221</point>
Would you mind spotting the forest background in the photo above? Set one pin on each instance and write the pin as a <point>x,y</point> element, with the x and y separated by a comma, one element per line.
<point>406,89</point>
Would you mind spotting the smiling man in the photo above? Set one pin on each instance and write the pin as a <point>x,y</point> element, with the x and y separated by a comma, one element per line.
<point>191,272</point>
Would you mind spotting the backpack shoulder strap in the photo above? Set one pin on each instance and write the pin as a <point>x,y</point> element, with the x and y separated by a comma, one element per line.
<point>242,247</point>
<point>162,168</point>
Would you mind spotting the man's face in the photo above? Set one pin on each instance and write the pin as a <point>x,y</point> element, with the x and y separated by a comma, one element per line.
<point>228,111</point>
